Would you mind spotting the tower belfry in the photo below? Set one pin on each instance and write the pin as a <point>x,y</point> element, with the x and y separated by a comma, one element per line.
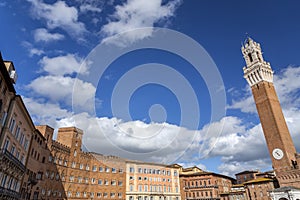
<point>259,76</point>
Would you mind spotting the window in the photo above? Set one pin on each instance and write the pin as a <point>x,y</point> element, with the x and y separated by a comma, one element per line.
<point>168,173</point>
<point>22,138</point>
<point>131,178</point>
<point>84,194</point>
<point>105,195</point>
<point>140,188</point>
<point>87,167</point>
<point>175,173</point>
<point>12,125</point>
<point>77,194</point>
<point>120,195</point>
<point>73,164</point>
<point>71,178</point>
<point>131,170</point>
<point>100,169</point>
<point>92,194</point>
<point>113,170</point>
<point>18,154</point>
<point>98,195</point>
<point>100,181</point>
<point>120,170</point>
<point>79,179</point>
<point>140,170</point>
<point>146,188</point>
<point>120,183</point>
<point>93,180</point>
<point>113,182</point>
<point>81,166</point>
<point>106,182</point>
<point>86,179</point>
<point>106,169</point>
<point>17,132</point>
<point>140,178</point>
<point>69,193</point>
<point>131,188</point>
<point>112,194</point>
<point>75,153</point>
<point>4,118</point>
<point>65,163</point>
<point>94,168</point>
<point>6,144</point>
<point>12,150</point>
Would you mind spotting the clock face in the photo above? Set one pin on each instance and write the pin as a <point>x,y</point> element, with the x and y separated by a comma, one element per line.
<point>277,153</point>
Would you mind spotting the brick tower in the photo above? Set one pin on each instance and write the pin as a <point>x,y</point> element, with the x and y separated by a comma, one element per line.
<point>259,76</point>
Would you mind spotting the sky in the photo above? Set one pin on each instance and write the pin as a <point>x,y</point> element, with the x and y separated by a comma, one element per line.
<point>160,80</point>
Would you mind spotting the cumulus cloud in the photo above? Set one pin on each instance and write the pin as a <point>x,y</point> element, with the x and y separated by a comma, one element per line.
<point>60,89</point>
<point>58,15</point>
<point>44,112</point>
<point>64,65</point>
<point>43,35</point>
<point>137,14</point>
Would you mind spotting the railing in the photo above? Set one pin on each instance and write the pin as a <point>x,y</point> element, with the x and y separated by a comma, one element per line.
<point>8,194</point>
<point>5,153</point>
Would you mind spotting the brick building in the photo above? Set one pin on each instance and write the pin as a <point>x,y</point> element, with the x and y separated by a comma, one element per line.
<point>16,132</point>
<point>197,184</point>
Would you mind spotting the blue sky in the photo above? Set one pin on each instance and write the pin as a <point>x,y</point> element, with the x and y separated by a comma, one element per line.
<point>152,103</point>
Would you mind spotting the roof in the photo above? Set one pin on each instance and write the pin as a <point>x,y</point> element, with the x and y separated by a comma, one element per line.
<point>206,173</point>
<point>259,180</point>
<point>247,172</point>
<point>285,189</point>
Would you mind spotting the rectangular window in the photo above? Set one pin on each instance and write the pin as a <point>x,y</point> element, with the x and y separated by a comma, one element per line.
<point>6,144</point>
<point>113,170</point>
<point>100,169</point>
<point>100,182</point>
<point>120,183</point>
<point>22,138</point>
<point>106,169</point>
<point>98,195</point>
<point>17,132</point>
<point>94,168</point>
<point>79,179</point>
<point>12,125</point>
<point>81,166</point>
<point>112,194</point>
<point>12,150</point>
<point>26,144</point>
<point>113,182</point>
<point>4,118</point>
<point>131,170</point>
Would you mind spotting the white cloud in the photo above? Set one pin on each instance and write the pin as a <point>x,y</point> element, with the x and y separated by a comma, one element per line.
<point>89,8</point>
<point>59,15</point>
<point>59,89</point>
<point>64,65</point>
<point>45,113</point>
<point>32,50</point>
<point>43,35</point>
<point>137,14</point>
<point>287,85</point>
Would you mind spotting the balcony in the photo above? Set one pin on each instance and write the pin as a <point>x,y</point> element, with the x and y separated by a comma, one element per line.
<point>8,194</point>
<point>12,162</point>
